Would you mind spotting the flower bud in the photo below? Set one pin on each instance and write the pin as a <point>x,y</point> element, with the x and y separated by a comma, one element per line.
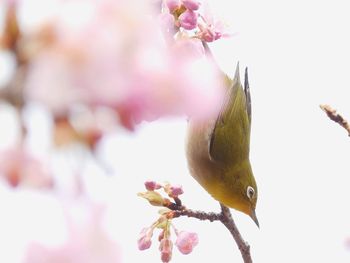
<point>175,191</point>
<point>166,248</point>
<point>209,34</point>
<point>161,236</point>
<point>145,242</point>
<point>191,4</point>
<point>152,185</point>
<point>173,5</point>
<point>188,20</point>
<point>186,241</point>
<point>153,198</point>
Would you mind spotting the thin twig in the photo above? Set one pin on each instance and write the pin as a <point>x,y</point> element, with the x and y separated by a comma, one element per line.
<point>224,217</point>
<point>336,117</point>
<point>243,246</point>
<point>198,214</point>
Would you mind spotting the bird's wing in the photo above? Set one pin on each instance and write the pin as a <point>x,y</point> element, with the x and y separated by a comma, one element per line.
<point>247,95</point>
<point>229,139</point>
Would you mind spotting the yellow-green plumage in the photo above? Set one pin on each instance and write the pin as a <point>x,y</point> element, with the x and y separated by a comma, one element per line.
<point>218,151</point>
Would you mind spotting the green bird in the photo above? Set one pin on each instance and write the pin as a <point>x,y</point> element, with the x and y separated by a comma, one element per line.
<point>218,150</point>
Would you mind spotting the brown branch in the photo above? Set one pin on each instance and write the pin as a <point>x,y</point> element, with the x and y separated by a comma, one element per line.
<point>243,246</point>
<point>224,217</point>
<point>198,214</point>
<point>336,117</point>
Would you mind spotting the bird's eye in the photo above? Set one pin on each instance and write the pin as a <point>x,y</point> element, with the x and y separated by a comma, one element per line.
<point>250,192</point>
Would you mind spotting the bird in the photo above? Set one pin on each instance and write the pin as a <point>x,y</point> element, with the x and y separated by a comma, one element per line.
<point>217,150</point>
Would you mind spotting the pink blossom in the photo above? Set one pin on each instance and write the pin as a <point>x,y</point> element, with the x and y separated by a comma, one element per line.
<point>186,241</point>
<point>347,243</point>
<point>11,2</point>
<point>189,48</point>
<point>18,167</point>
<point>152,185</point>
<point>211,32</point>
<point>145,82</point>
<point>191,4</point>
<point>166,249</point>
<point>175,81</point>
<point>91,125</point>
<point>188,19</point>
<point>176,190</point>
<point>210,28</point>
<point>145,242</point>
<point>86,242</point>
<point>173,5</point>
<point>167,22</point>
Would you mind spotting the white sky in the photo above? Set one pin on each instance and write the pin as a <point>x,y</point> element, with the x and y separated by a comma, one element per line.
<point>298,57</point>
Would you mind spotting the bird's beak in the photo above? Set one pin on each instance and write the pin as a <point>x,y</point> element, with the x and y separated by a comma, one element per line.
<point>255,219</point>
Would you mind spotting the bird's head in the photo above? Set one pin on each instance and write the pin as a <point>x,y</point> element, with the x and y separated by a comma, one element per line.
<point>249,199</point>
<point>244,192</point>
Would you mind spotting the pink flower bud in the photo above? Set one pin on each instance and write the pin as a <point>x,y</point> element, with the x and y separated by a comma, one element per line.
<point>186,241</point>
<point>152,185</point>
<point>166,249</point>
<point>209,35</point>
<point>173,5</point>
<point>175,191</point>
<point>188,20</point>
<point>191,4</point>
<point>161,236</point>
<point>145,242</point>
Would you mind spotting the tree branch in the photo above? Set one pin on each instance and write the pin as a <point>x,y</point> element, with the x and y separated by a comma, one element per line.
<point>198,214</point>
<point>225,218</point>
<point>336,117</point>
<point>243,246</point>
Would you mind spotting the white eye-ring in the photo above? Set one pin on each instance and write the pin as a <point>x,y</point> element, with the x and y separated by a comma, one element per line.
<point>250,192</point>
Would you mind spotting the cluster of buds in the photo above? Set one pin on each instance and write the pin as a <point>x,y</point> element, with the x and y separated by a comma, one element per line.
<point>185,241</point>
<point>156,199</point>
<point>188,16</point>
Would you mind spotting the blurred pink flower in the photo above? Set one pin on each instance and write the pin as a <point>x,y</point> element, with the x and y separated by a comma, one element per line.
<point>11,2</point>
<point>173,5</point>
<point>211,28</point>
<point>167,25</point>
<point>87,242</point>
<point>115,56</point>
<point>194,15</point>
<point>91,126</point>
<point>186,241</point>
<point>210,33</point>
<point>18,167</point>
<point>191,4</point>
<point>188,19</point>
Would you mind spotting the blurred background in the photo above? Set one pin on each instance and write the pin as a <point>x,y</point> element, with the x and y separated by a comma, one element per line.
<point>298,57</point>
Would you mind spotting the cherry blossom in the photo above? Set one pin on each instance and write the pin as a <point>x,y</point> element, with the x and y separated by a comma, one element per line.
<point>186,241</point>
<point>145,242</point>
<point>166,249</point>
<point>126,66</point>
<point>86,241</point>
<point>18,167</point>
